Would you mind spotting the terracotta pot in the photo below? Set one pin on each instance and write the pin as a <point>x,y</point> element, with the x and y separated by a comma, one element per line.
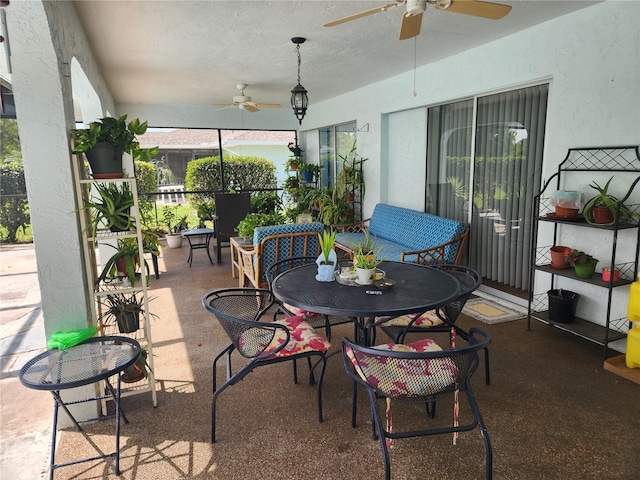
<point>560,256</point>
<point>602,215</point>
<point>563,212</point>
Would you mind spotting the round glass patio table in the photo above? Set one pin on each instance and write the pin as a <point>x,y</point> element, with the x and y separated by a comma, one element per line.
<point>417,289</point>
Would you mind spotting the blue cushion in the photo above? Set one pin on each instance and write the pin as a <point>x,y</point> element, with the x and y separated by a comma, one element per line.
<point>269,248</point>
<point>398,230</point>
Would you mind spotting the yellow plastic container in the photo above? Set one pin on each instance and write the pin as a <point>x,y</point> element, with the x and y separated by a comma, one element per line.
<point>632,357</point>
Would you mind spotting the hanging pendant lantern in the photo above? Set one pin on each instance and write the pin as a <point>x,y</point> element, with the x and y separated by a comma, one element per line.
<point>299,98</point>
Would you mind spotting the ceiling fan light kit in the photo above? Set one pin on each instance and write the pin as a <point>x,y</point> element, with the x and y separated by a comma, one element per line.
<point>412,17</point>
<point>299,98</point>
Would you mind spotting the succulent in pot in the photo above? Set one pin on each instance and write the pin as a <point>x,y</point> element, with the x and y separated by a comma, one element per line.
<point>605,208</point>
<point>584,264</point>
<point>110,208</point>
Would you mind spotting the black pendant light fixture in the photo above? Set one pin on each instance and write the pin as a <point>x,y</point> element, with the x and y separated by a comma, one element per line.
<point>299,98</point>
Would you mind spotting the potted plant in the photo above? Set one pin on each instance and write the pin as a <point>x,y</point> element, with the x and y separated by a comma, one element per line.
<point>604,208</point>
<point>173,236</point>
<point>333,207</point>
<point>365,259</point>
<point>110,208</point>
<point>560,256</point>
<point>584,264</point>
<point>296,157</point>
<point>125,310</point>
<point>328,259</point>
<point>351,177</point>
<point>123,263</point>
<point>139,370</point>
<point>104,142</point>
<point>308,171</point>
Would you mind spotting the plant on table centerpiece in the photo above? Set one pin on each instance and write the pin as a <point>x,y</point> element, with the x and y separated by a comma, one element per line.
<point>603,208</point>
<point>583,263</point>
<point>365,258</point>
<point>328,258</point>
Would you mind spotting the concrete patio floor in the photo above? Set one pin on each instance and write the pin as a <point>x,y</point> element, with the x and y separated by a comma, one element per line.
<point>552,411</point>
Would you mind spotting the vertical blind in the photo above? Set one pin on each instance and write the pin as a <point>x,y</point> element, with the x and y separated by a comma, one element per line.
<point>487,171</point>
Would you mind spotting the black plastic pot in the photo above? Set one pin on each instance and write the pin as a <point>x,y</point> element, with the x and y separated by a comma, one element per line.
<point>562,305</point>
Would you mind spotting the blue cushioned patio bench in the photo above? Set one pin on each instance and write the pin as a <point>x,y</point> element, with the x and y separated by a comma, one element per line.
<point>406,235</point>
<point>274,243</point>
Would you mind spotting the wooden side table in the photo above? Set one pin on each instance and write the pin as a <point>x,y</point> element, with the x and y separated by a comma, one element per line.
<point>235,245</point>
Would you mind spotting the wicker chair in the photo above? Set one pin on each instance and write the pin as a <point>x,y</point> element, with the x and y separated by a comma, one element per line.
<point>419,372</point>
<point>239,311</point>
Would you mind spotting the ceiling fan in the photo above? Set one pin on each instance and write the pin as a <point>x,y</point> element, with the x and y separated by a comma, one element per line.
<point>412,18</point>
<point>243,102</point>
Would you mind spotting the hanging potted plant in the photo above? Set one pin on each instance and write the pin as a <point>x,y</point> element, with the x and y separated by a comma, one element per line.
<point>603,208</point>
<point>584,264</point>
<point>328,259</point>
<point>125,310</point>
<point>308,171</point>
<point>104,142</point>
<point>296,157</point>
<point>123,263</point>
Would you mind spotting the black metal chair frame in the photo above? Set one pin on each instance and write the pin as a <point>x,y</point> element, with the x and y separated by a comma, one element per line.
<point>244,307</point>
<point>231,208</point>
<point>466,362</point>
<point>320,320</point>
<point>469,280</point>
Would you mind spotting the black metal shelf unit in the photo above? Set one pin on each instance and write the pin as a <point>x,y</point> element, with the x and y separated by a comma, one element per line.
<point>624,160</point>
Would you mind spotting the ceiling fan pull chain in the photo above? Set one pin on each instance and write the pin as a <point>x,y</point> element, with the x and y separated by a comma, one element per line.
<point>415,47</point>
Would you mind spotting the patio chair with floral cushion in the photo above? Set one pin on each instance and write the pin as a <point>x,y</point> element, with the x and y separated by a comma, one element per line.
<point>419,372</point>
<point>317,320</point>
<point>239,311</point>
<point>442,320</point>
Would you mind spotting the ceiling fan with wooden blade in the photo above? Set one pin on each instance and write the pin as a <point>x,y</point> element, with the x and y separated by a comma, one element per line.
<point>412,18</point>
<point>243,102</point>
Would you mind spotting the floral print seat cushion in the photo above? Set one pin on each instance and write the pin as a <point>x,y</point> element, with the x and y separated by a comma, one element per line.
<point>405,377</point>
<point>302,339</point>
<point>426,320</point>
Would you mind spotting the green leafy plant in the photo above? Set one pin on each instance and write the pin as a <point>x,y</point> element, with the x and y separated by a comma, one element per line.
<point>247,225</point>
<point>366,253</point>
<point>333,207</point>
<point>169,216</point>
<point>293,163</point>
<point>127,255</point>
<point>116,132</point>
<point>351,175</point>
<point>606,200</point>
<point>123,308</point>
<point>309,167</point>
<point>327,240</point>
<point>266,202</point>
<point>111,209</point>
<point>581,258</point>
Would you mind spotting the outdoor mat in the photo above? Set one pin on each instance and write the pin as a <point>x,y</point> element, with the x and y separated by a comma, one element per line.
<point>490,312</point>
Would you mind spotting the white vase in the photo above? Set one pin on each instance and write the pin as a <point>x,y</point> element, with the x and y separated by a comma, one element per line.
<point>325,270</point>
<point>364,275</point>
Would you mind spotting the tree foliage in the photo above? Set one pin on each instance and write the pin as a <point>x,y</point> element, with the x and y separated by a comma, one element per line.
<point>9,140</point>
<point>14,208</point>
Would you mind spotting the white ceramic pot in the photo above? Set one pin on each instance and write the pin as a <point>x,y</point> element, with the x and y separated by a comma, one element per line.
<point>364,275</point>
<point>174,241</point>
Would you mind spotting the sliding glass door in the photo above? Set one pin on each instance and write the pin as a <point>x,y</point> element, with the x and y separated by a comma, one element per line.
<point>484,163</point>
